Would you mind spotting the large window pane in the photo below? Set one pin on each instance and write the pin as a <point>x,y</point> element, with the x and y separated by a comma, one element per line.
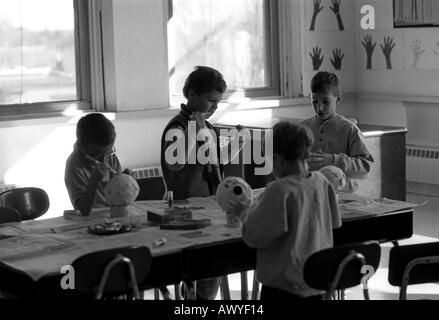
<point>37,51</point>
<point>229,35</point>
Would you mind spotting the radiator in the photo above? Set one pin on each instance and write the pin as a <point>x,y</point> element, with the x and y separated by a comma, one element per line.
<point>422,164</point>
<point>147,172</point>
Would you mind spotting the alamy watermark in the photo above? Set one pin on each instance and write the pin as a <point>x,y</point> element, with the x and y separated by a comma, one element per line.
<point>237,147</point>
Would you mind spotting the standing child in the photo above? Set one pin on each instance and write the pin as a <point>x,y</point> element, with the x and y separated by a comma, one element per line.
<point>184,174</point>
<point>92,163</point>
<point>339,142</point>
<point>292,219</point>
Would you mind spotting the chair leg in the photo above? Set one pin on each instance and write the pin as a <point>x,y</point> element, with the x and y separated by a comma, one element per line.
<point>244,286</point>
<point>225,290</point>
<point>156,294</point>
<point>165,293</point>
<point>177,291</point>
<point>366,294</point>
<point>342,294</point>
<point>189,290</point>
<point>255,290</point>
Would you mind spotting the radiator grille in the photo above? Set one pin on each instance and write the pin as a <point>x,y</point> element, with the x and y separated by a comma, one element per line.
<point>147,172</point>
<point>422,152</point>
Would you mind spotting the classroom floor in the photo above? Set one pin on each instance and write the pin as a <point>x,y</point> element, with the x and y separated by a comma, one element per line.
<point>426,229</point>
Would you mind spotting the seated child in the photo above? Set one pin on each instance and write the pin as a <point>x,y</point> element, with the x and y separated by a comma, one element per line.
<point>339,142</point>
<point>92,163</point>
<point>292,219</point>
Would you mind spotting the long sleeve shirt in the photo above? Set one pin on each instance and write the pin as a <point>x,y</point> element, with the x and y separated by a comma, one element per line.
<point>342,138</point>
<point>290,221</point>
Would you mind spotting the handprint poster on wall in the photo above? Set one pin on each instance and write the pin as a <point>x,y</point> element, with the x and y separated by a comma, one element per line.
<point>387,47</point>
<point>379,50</point>
<point>329,50</point>
<point>421,49</point>
<point>418,50</point>
<point>323,15</point>
<point>368,45</point>
<point>337,58</point>
<point>316,58</point>
<point>317,9</point>
<point>336,9</point>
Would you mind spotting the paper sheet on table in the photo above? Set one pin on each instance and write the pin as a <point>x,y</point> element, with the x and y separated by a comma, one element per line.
<point>28,246</point>
<point>357,208</point>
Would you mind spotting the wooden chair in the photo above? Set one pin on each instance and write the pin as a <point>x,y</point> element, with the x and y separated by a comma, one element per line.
<point>342,267</point>
<point>112,272</point>
<point>31,203</point>
<point>413,264</point>
<point>9,215</point>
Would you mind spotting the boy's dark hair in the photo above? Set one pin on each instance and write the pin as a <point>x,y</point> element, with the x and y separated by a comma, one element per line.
<point>325,82</point>
<point>204,79</point>
<point>95,128</point>
<point>292,140</point>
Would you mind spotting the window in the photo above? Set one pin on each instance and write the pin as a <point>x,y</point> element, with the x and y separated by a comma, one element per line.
<point>415,13</point>
<point>237,37</point>
<point>43,56</point>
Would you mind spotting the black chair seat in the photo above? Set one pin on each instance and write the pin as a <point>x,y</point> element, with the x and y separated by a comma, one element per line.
<point>321,268</point>
<point>31,203</point>
<point>8,214</point>
<point>90,269</point>
<point>413,264</point>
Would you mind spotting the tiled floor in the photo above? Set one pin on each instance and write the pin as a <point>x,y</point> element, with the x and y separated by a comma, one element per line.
<point>426,229</point>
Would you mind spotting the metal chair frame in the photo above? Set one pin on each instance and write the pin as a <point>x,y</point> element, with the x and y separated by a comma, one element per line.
<point>115,261</point>
<point>406,275</point>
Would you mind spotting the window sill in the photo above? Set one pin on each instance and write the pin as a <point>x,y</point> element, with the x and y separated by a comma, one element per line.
<point>63,117</point>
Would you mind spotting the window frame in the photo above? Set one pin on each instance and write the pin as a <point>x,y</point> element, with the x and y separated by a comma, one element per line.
<point>83,33</point>
<point>272,50</point>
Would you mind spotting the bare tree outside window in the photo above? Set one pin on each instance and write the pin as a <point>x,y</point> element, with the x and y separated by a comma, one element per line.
<point>37,52</point>
<point>229,35</point>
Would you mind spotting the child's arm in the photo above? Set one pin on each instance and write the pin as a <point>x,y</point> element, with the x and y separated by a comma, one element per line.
<point>358,162</point>
<point>86,200</point>
<point>266,219</point>
<point>333,204</point>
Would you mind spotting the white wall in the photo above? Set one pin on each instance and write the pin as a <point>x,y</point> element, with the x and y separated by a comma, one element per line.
<point>136,73</point>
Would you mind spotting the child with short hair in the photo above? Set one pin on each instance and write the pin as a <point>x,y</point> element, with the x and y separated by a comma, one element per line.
<point>292,219</point>
<point>339,142</point>
<point>203,89</point>
<point>92,163</point>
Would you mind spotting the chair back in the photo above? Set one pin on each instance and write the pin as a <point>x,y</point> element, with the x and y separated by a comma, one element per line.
<point>9,215</point>
<point>342,267</point>
<point>31,202</point>
<point>114,272</point>
<point>413,264</point>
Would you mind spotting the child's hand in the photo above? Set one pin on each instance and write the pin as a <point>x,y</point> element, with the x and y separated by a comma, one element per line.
<point>319,160</point>
<point>238,208</point>
<point>199,118</point>
<point>99,172</point>
<point>129,172</point>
